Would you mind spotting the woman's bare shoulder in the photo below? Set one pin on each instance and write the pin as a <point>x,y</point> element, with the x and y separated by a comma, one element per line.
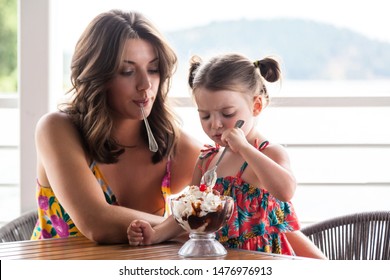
<point>53,119</point>
<point>55,122</point>
<point>56,128</point>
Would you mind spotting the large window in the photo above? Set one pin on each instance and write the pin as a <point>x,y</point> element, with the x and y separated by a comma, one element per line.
<point>330,111</point>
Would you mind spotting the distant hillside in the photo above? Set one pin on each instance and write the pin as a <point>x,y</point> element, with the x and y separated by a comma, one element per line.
<point>307,49</point>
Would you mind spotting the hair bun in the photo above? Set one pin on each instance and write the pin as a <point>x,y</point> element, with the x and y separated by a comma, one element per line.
<point>195,62</point>
<point>269,69</point>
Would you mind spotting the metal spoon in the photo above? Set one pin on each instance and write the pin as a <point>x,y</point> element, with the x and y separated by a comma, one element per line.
<point>210,176</point>
<point>152,142</point>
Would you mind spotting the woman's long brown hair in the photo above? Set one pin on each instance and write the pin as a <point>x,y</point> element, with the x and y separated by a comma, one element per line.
<point>95,62</point>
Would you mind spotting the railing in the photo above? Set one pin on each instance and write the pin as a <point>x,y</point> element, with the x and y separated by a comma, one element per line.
<point>8,101</point>
<point>331,174</point>
<point>372,101</point>
<point>9,159</point>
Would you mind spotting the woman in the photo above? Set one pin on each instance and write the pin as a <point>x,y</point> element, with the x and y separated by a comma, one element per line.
<point>95,170</point>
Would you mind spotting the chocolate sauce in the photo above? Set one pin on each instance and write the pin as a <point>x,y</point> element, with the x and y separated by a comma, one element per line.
<point>213,220</point>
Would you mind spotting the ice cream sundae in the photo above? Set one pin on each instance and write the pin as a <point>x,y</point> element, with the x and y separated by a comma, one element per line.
<point>200,209</point>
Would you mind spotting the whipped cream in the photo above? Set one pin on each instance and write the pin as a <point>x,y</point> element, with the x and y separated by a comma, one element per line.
<point>195,203</point>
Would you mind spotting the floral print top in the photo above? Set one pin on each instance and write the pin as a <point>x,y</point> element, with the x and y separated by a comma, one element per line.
<point>259,220</point>
<point>53,220</point>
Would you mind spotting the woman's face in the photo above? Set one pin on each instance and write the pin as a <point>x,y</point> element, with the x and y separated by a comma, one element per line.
<point>219,110</point>
<point>136,82</point>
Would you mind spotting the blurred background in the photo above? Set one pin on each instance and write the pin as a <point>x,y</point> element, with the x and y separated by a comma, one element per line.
<point>330,111</point>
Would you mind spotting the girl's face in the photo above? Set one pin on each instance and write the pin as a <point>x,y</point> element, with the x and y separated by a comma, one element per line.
<point>219,110</point>
<point>137,81</point>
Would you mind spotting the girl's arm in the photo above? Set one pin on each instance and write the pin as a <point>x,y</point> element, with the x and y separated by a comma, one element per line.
<point>271,166</point>
<point>303,247</point>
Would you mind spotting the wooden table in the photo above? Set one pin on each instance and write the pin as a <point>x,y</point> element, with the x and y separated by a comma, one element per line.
<point>80,248</point>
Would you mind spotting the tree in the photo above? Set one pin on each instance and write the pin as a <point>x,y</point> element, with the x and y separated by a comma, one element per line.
<point>8,45</point>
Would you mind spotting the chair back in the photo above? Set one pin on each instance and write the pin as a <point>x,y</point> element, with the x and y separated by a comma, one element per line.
<point>19,229</point>
<point>360,236</point>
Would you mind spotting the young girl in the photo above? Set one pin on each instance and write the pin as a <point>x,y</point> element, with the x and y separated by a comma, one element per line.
<point>254,172</point>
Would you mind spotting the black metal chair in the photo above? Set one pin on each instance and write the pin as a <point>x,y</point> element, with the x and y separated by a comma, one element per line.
<point>20,228</point>
<point>360,236</point>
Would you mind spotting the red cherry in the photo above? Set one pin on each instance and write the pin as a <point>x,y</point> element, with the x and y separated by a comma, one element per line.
<point>202,187</point>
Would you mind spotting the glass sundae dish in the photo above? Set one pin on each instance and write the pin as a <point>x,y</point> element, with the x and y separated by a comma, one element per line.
<point>201,211</point>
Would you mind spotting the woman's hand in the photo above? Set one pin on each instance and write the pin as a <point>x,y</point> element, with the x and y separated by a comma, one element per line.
<point>140,232</point>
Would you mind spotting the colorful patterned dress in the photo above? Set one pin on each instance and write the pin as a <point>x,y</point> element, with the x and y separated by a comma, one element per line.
<point>54,222</point>
<point>259,220</point>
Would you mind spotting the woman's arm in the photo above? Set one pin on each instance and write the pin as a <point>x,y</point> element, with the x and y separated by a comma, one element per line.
<point>141,232</point>
<point>64,165</point>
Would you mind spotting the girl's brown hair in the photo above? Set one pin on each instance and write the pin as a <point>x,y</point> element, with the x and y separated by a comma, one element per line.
<point>234,72</point>
<point>95,62</point>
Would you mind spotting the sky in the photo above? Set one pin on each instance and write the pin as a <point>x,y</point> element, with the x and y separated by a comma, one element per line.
<point>367,17</point>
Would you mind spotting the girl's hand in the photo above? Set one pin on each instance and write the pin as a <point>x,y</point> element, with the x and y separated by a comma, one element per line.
<point>234,138</point>
<point>140,232</point>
